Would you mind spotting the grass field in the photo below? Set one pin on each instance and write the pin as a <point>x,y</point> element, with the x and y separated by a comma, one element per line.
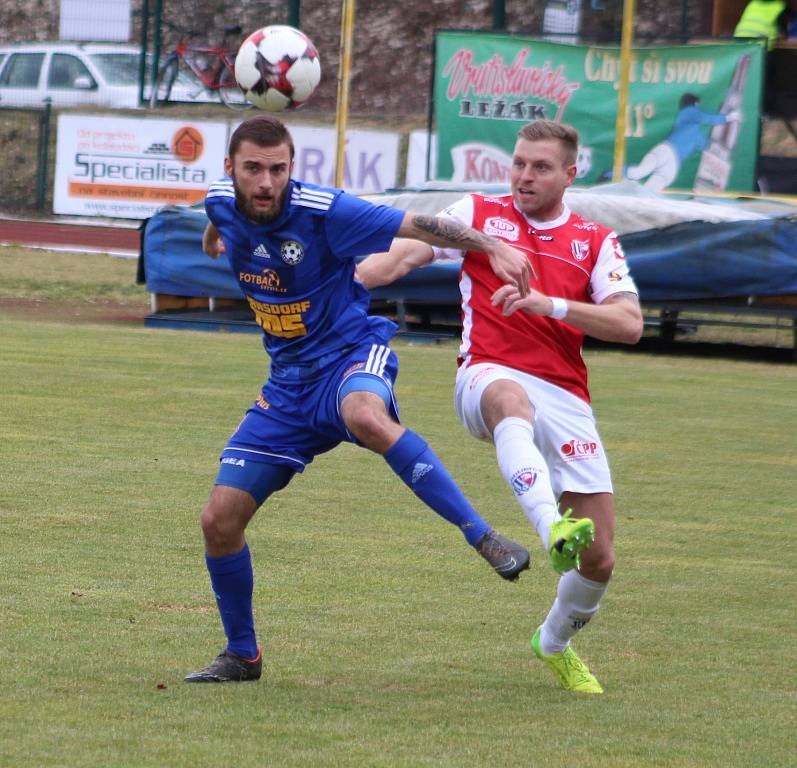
<point>387,641</point>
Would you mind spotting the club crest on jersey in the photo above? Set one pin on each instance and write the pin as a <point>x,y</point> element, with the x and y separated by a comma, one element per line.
<point>580,249</point>
<point>291,252</point>
<point>498,227</point>
<point>261,252</point>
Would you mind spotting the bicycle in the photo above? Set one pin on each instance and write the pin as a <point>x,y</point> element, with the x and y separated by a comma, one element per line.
<point>213,66</point>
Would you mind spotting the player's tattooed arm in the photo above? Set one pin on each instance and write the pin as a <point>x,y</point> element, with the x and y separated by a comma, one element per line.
<point>453,234</point>
<point>509,264</point>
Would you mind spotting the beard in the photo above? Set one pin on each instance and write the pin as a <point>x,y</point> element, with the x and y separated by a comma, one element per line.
<point>247,208</point>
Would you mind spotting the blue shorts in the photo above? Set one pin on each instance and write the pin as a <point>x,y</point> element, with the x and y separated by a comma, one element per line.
<point>291,424</point>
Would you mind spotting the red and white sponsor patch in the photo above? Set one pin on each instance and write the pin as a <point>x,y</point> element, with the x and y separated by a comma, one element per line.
<point>579,450</point>
<point>498,227</point>
<point>477,377</point>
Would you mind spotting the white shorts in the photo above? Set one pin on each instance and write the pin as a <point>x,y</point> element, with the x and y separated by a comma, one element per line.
<point>564,427</point>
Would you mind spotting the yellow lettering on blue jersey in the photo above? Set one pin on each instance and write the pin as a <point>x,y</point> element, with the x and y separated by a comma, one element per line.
<point>283,320</point>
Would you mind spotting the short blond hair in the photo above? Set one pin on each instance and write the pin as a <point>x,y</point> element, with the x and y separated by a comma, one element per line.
<point>566,135</point>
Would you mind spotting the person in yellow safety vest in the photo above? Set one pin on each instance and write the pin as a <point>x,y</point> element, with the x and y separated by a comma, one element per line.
<point>763,18</point>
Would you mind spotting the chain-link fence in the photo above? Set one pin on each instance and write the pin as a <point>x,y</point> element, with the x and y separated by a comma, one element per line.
<point>27,159</point>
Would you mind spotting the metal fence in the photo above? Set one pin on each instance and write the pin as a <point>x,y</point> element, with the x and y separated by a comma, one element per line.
<point>27,159</point>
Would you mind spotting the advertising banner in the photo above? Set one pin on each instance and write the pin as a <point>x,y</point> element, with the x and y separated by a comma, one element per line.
<point>129,167</point>
<point>419,155</point>
<point>371,158</point>
<point>692,117</point>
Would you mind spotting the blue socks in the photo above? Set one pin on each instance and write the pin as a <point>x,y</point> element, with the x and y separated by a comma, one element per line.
<point>233,583</point>
<point>418,466</point>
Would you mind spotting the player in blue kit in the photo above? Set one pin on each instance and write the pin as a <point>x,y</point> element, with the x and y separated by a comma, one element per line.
<point>292,247</point>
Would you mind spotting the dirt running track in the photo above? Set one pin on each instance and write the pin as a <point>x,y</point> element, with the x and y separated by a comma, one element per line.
<point>120,240</point>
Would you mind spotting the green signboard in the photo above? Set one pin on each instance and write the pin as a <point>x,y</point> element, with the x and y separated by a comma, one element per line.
<point>692,118</point>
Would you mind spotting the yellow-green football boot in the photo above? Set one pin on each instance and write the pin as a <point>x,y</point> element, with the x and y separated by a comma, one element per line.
<point>568,539</point>
<point>573,673</point>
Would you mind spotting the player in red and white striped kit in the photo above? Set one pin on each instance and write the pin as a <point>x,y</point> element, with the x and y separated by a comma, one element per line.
<point>522,382</point>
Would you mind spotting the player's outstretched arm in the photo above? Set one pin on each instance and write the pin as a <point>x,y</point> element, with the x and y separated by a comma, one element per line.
<point>618,318</point>
<point>212,244</point>
<point>387,267</point>
<point>509,264</point>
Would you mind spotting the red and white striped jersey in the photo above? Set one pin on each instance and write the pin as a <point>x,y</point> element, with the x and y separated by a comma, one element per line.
<point>573,259</point>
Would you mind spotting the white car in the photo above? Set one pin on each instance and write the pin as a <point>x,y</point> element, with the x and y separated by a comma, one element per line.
<point>74,74</point>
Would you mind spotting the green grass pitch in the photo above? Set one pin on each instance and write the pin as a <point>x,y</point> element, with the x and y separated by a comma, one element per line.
<point>387,641</point>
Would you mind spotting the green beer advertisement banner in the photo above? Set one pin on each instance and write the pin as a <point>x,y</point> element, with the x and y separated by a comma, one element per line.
<point>692,119</point>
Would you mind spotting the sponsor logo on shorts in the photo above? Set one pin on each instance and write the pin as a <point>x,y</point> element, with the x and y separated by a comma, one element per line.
<point>352,369</point>
<point>261,402</point>
<point>523,480</point>
<point>235,462</point>
<point>479,376</point>
<point>578,450</point>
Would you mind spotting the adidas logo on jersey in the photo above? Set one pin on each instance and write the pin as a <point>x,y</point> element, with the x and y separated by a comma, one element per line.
<point>261,251</point>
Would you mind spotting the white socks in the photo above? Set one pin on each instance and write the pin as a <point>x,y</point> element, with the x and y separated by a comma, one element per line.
<point>577,600</point>
<point>524,469</point>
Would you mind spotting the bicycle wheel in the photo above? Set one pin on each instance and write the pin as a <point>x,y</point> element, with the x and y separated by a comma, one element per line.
<point>230,93</point>
<point>163,85</point>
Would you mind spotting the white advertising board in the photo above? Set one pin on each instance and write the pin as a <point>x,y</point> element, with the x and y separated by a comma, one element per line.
<point>129,167</point>
<point>371,158</point>
<point>417,150</point>
<point>90,20</point>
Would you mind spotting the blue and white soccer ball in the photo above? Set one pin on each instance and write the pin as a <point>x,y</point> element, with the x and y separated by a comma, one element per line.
<point>277,68</point>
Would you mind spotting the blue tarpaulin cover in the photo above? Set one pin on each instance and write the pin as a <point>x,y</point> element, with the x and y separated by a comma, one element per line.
<point>698,260</point>
<point>174,262</point>
<point>690,260</point>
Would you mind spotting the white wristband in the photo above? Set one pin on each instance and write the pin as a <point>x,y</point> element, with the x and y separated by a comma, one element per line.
<point>559,311</point>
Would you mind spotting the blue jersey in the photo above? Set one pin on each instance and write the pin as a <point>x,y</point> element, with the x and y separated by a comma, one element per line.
<point>297,272</point>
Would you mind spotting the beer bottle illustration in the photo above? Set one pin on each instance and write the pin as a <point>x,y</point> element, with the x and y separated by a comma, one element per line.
<point>715,165</point>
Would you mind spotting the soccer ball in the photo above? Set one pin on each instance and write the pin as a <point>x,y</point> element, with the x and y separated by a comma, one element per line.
<point>583,161</point>
<point>277,68</point>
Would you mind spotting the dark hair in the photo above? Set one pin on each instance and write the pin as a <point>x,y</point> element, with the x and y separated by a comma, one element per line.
<point>263,130</point>
<point>538,130</point>
<point>688,100</point>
